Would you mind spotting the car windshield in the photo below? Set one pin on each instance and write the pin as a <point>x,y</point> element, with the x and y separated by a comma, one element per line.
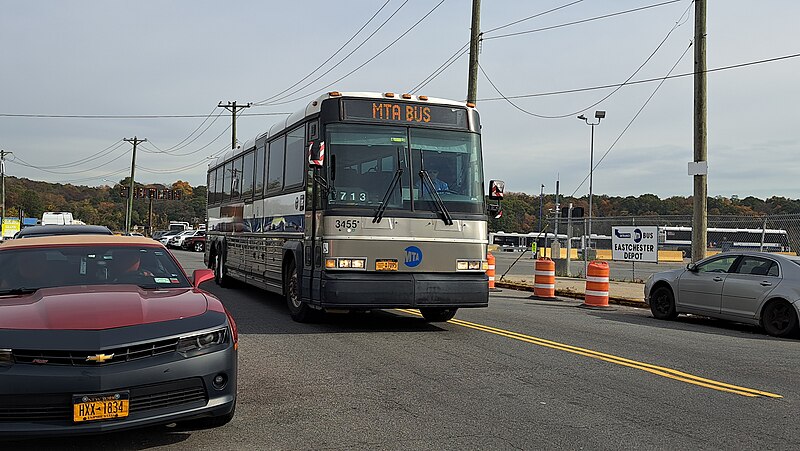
<point>366,160</point>
<point>40,267</point>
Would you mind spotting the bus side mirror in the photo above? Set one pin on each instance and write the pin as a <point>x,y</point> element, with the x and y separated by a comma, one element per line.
<point>496,188</point>
<point>495,211</point>
<point>316,154</point>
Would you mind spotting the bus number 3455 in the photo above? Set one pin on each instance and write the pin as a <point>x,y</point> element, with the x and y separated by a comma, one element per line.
<point>346,223</point>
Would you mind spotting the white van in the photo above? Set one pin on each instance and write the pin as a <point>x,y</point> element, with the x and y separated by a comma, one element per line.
<point>57,218</point>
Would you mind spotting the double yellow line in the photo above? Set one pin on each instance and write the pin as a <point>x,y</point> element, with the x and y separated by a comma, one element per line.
<point>654,369</point>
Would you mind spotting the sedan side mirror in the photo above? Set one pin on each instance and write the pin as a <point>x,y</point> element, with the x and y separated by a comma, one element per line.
<point>201,275</point>
<point>691,267</point>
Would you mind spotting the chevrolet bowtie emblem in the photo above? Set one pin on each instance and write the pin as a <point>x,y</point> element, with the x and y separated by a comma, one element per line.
<point>99,358</point>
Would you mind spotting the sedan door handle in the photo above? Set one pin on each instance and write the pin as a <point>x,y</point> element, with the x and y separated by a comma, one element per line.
<point>718,279</point>
<point>766,284</point>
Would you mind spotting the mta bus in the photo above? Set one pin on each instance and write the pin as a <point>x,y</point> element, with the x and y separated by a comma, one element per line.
<point>359,201</point>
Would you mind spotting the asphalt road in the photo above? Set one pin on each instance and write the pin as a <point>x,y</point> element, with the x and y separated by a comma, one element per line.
<point>522,265</point>
<point>521,374</point>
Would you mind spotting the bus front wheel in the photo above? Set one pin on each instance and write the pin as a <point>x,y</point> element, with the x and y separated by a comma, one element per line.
<point>299,310</point>
<point>438,315</point>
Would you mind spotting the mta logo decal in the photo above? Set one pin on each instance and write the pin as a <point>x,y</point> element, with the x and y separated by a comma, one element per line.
<point>637,235</point>
<point>413,256</point>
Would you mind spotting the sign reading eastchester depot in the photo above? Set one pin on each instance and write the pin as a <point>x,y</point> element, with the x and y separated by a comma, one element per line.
<point>635,244</point>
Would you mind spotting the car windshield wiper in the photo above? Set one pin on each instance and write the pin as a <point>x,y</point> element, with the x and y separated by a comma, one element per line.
<point>426,181</point>
<point>18,290</point>
<point>385,202</point>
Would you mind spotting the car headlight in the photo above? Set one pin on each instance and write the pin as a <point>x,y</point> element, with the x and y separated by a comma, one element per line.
<point>6,357</point>
<point>202,343</point>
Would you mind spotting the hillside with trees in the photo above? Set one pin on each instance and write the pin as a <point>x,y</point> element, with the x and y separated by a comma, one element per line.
<point>521,211</point>
<point>103,205</point>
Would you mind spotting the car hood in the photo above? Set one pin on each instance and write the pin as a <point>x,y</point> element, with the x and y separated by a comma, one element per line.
<point>98,307</point>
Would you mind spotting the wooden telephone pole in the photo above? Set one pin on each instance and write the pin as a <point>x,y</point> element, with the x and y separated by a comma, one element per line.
<point>700,195</point>
<point>233,108</point>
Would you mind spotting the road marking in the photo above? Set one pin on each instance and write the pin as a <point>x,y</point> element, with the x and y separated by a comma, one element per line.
<point>653,369</point>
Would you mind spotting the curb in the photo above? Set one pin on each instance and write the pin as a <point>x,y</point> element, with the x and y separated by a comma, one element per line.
<point>573,294</point>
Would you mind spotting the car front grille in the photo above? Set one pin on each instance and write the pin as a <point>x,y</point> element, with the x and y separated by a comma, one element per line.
<point>82,358</point>
<point>58,406</point>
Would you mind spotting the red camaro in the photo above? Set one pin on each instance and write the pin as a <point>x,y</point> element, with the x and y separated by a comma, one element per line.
<point>101,333</point>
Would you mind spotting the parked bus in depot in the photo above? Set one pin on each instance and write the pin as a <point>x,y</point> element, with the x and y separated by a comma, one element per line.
<point>359,201</point>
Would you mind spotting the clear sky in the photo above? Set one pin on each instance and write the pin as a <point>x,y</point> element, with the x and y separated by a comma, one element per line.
<point>181,57</point>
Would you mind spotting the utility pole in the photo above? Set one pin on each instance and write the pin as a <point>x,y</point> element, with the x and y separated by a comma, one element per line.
<point>700,207</point>
<point>3,154</point>
<point>129,210</point>
<point>474,48</point>
<point>233,108</point>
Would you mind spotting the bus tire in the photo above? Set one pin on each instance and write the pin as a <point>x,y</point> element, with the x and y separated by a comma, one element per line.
<point>438,315</point>
<point>222,279</point>
<point>300,311</point>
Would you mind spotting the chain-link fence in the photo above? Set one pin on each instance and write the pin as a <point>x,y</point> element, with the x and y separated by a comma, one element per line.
<point>773,233</point>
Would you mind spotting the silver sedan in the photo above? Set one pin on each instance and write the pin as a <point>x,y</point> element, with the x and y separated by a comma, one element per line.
<point>748,287</point>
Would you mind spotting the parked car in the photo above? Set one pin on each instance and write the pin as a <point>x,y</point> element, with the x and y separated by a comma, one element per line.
<point>748,287</point>
<point>104,333</point>
<point>164,239</point>
<point>177,240</point>
<point>157,234</point>
<point>53,230</point>
<point>195,243</point>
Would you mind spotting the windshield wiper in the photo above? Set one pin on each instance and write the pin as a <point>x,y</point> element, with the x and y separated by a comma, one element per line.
<point>18,290</point>
<point>385,202</point>
<point>426,181</point>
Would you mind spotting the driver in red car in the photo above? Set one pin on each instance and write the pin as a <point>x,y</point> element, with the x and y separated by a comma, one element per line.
<point>125,266</point>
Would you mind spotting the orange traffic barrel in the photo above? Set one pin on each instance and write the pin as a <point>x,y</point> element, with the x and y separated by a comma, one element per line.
<point>596,285</point>
<point>544,279</point>
<point>490,271</point>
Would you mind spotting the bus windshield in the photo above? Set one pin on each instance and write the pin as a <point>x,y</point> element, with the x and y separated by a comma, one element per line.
<point>371,163</point>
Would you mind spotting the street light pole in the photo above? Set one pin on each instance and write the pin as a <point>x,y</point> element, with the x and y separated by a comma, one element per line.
<point>598,115</point>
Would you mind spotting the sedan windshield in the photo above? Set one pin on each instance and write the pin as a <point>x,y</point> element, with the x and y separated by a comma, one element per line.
<point>24,270</point>
<point>405,168</point>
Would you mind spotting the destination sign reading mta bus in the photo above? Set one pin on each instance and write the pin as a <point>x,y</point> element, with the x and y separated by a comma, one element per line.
<point>405,112</point>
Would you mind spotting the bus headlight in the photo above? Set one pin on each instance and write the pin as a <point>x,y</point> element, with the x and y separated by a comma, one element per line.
<point>346,263</point>
<point>469,265</point>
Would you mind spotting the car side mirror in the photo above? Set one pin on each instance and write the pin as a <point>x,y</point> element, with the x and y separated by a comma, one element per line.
<point>496,188</point>
<point>316,154</point>
<point>201,275</point>
<point>691,267</point>
<point>494,211</point>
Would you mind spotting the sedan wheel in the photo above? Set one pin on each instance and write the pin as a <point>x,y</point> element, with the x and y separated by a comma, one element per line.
<point>199,247</point>
<point>779,319</point>
<point>662,304</point>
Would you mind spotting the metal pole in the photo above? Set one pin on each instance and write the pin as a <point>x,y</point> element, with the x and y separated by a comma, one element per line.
<point>474,47</point>
<point>699,198</point>
<point>569,237</point>
<point>763,235</point>
<point>3,176</point>
<point>591,172</point>
<point>129,209</point>
<point>541,203</point>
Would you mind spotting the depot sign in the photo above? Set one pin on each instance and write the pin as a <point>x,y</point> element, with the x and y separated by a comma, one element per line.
<point>635,244</point>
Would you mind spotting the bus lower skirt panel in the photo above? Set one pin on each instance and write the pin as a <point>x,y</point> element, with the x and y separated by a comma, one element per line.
<point>412,290</point>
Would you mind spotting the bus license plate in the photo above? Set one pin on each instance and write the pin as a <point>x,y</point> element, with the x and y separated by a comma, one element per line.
<point>385,265</point>
<point>102,406</point>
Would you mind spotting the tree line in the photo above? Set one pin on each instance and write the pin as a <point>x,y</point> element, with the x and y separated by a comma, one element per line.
<point>521,211</point>
<point>103,205</point>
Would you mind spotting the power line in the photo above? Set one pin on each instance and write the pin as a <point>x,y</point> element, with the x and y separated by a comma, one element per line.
<point>663,79</point>
<point>677,24</point>
<point>448,62</point>
<point>647,80</point>
<point>93,156</point>
<point>533,16</point>
<point>275,101</point>
<point>112,116</point>
<point>26,164</point>
<point>337,52</point>
<point>604,16</point>
<point>369,60</point>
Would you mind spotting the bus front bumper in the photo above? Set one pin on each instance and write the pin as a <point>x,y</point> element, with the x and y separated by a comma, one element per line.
<point>409,290</point>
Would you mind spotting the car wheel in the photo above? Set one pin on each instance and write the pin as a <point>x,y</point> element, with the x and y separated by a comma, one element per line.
<point>779,319</point>
<point>199,246</point>
<point>299,310</point>
<point>662,304</point>
<point>220,277</point>
<point>438,315</point>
